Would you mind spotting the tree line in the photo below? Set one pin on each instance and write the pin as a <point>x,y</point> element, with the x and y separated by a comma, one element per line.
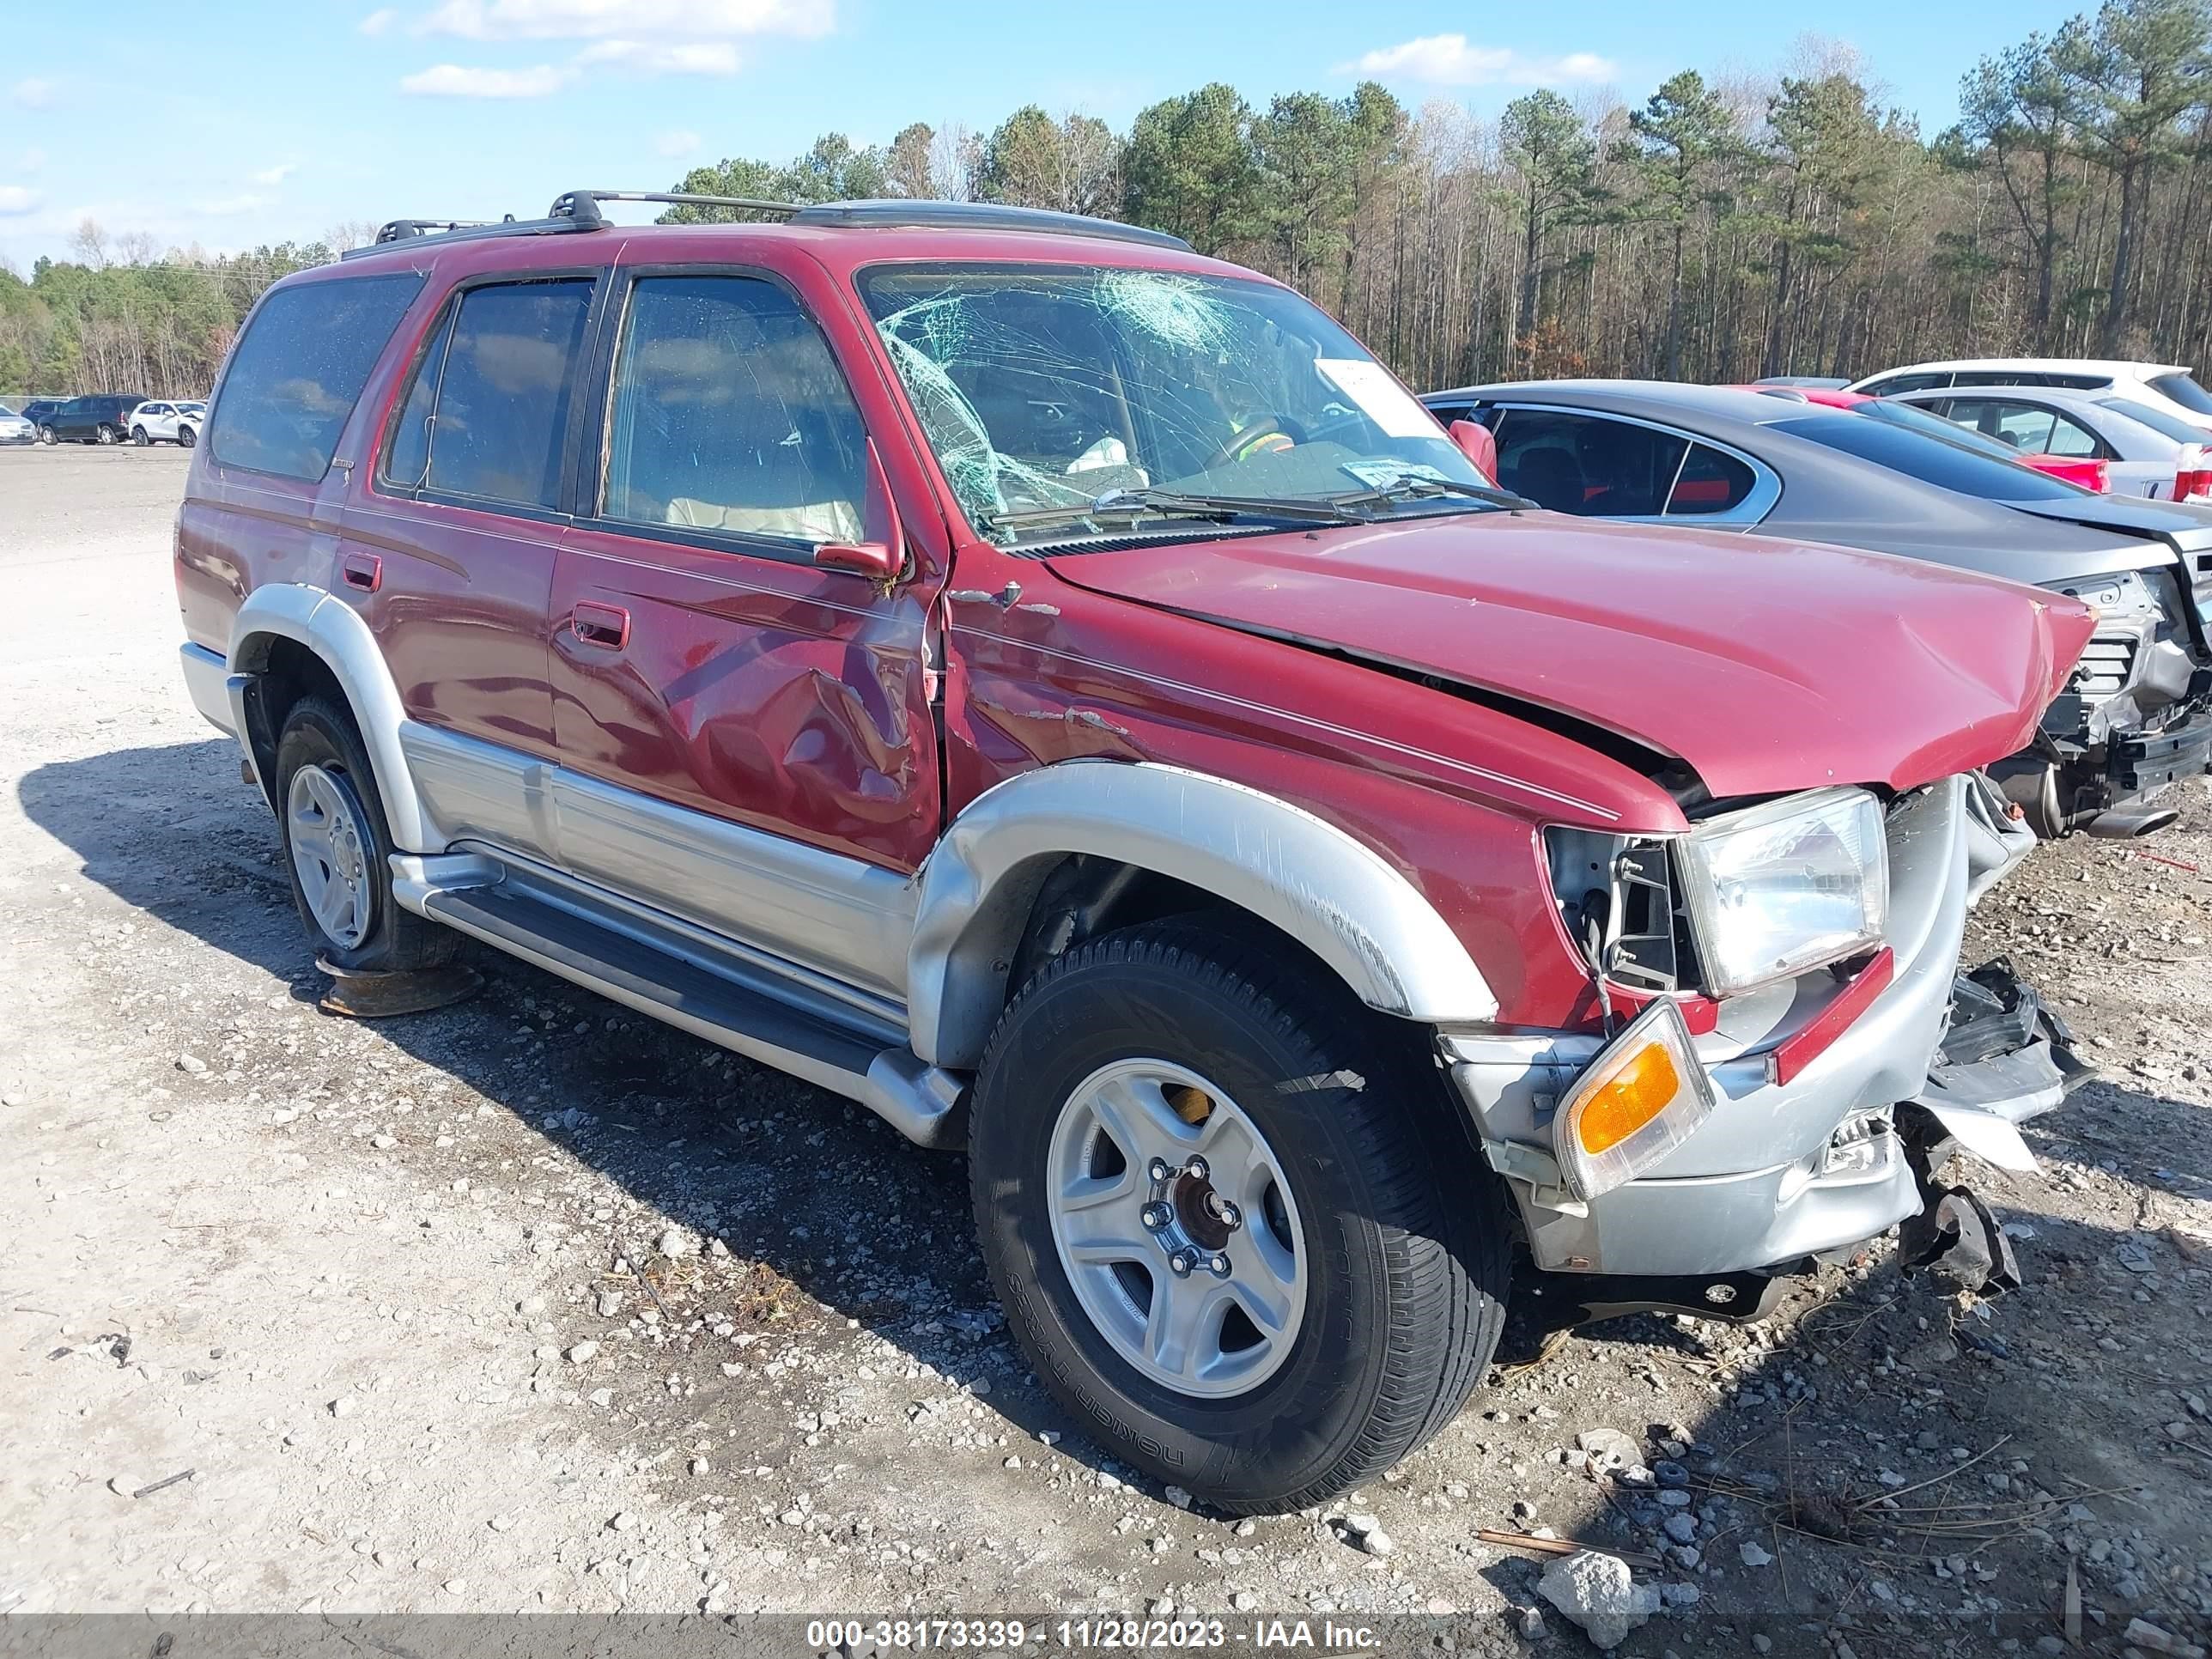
<point>1723,228</point>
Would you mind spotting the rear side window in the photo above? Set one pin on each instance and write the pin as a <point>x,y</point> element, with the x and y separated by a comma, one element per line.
<point>487,412</point>
<point>1931,460</point>
<point>730,415</point>
<point>1709,481</point>
<point>293,378</point>
<point>2171,426</point>
<point>1896,383</point>
<point>2184,391</point>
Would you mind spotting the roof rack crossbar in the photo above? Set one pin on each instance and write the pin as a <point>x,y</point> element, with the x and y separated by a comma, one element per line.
<point>585,203</point>
<point>467,230</point>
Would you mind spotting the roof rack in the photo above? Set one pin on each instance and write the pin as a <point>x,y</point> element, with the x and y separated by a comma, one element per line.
<point>579,210</point>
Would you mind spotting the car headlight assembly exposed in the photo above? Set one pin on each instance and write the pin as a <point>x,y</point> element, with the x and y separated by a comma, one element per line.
<point>1637,1101</point>
<point>1776,890</point>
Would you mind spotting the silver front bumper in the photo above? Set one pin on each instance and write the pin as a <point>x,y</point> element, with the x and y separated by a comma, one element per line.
<point>1762,1181</point>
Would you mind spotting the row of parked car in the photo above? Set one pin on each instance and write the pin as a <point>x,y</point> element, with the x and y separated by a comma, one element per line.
<point>104,418</point>
<point>1063,694</point>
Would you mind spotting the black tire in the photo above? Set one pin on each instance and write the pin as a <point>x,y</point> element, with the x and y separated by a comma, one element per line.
<point>395,940</point>
<point>46,436</point>
<point>138,436</point>
<point>187,437</point>
<point>1398,1328</point>
<point>104,433</point>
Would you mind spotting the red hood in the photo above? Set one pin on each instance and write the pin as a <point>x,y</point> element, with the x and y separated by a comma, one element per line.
<point>1768,665</point>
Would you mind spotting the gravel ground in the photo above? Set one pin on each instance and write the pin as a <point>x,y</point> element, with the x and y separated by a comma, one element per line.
<point>527,1304</point>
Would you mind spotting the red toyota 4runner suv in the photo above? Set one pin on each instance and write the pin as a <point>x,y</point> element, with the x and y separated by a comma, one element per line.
<point>1063,694</point>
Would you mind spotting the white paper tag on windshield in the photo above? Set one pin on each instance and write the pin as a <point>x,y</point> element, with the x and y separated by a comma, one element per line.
<point>1377,475</point>
<point>1379,398</point>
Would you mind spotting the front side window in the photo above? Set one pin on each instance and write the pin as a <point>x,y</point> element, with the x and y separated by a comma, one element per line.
<point>295,374</point>
<point>1587,465</point>
<point>728,413</point>
<point>488,411</point>
<point>1045,390</point>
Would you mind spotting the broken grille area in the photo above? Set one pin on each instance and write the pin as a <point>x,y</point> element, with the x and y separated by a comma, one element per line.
<point>2103,669</point>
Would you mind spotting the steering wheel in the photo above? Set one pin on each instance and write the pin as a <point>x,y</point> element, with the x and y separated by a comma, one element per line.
<point>1267,425</point>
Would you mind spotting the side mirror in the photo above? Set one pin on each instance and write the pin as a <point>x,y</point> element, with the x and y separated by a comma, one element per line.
<point>883,555</point>
<point>1476,443</point>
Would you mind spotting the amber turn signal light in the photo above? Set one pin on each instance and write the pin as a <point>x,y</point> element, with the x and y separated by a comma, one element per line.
<point>1637,1101</point>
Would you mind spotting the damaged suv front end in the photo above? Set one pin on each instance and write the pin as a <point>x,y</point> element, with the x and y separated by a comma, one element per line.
<point>1790,1084</point>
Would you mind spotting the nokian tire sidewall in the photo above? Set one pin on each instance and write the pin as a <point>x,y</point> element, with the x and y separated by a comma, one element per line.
<point>1309,1428</point>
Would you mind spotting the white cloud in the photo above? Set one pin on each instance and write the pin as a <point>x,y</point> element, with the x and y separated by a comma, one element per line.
<point>452,81</point>
<point>380,20</point>
<point>690,58</point>
<point>276,175</point>
<point>596,19</point>
<point>16,199</point>
<point>677,143</point>
<point>1447,60</point>
<point>32,93</point>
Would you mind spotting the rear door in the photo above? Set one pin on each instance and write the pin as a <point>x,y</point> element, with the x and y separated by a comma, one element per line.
<point>758,731</point>
<point>449,551</point>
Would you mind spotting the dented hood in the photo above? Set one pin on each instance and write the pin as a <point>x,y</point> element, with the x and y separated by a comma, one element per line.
<point>1767,665</point>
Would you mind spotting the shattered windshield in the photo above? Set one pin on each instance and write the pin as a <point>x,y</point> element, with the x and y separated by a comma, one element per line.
<point>1047,391</point>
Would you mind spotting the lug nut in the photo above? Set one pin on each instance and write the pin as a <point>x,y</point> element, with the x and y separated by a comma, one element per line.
<point>1220,1266</point>
<point>1195,1168</point>
<point>1231,1217</point>
<point>1182,1264</point>
<point>1156,1216</point>
<point>1158,1169</point>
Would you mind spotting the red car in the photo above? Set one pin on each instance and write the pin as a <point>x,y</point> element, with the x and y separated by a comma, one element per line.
<point>1062,693</point>
<point>2074,470</point>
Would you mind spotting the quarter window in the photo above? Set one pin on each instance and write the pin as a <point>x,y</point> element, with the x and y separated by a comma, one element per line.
<point>293,378</point>
<point>728,414</point>
<point>1709,481</point>
<point>487,412</point>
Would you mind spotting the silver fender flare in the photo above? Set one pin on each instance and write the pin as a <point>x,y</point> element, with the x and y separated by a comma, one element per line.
<point>334,631</point>
<point>1331,892</point>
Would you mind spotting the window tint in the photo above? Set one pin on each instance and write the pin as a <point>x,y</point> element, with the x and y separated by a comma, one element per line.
<point>293,378</point>
<point>1446,413</point>
<point>488,410</point>
<point>1586,466</point>
<point>730,414</point>
<point>2000,377</point>
<point>2183,390</point>
<point>2171,426</point>
<point>2078,382</point>
<point>1896,383</point>
<point>1948,466</point>
<point>1710,482</point>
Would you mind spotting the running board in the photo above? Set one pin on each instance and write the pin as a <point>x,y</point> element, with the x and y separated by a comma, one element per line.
<point>659,972</point>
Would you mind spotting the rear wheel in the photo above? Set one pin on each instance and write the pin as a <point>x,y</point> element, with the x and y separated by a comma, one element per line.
<point>1230,1217</point>
<point>104,433</point>
<point>340,852</point>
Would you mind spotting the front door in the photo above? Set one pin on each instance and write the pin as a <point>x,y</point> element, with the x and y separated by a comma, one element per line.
<point>755,731</point>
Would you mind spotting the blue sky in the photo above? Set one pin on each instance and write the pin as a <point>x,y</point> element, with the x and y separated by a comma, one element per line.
<point>229,123</point>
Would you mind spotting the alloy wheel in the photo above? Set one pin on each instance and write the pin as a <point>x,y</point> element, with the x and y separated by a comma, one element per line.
<point>330,841</point>
<point>1175,1226</point>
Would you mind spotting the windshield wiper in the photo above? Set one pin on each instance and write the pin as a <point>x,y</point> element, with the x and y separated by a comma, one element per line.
<point>1134,504</point>
<point>1412,488</point>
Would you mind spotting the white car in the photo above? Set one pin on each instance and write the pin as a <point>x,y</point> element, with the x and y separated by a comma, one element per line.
<point>168,422</point>
<point>2167,387</point>
<point>2145,451</point>
<point>14,429</point>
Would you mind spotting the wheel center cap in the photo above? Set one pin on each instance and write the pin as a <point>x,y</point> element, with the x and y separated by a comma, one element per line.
<point>1204,1213</point>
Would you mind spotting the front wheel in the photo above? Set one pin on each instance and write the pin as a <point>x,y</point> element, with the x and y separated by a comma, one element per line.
<point>46,436</point>
<point>1230,1217</point>
<point>138,436</point>
<point>187,437</point>
<point>340,852</point>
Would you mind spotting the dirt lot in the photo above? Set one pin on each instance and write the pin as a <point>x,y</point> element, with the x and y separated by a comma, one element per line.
<point>527,1304</point>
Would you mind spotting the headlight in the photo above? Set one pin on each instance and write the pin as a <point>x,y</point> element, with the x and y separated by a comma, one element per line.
<point>1776,890</point>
